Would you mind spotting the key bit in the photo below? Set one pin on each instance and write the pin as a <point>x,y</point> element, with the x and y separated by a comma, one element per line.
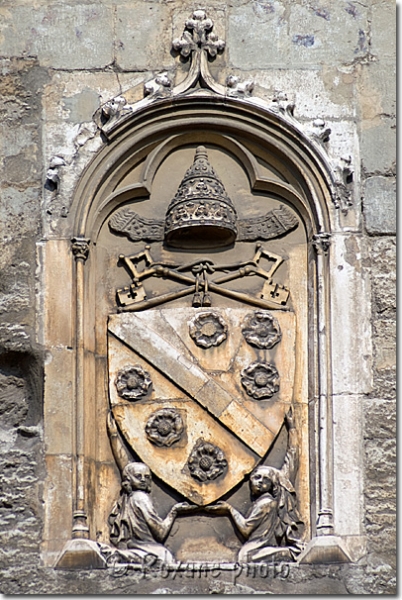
<point>206,300</point>
<point>275,291</point>
<point>197,300</point>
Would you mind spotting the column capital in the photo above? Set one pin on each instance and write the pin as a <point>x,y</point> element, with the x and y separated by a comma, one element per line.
<point>80,248</point>
<point>321,242</point>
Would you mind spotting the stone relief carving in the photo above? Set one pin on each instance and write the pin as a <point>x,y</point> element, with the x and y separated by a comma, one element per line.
<point>136,529</point>
<point>80,248</point>
<point>272,526</point>
<point>322,242</point>
<point>52,174</point>
<point>343,170</point>
<point>274,223</point>
<point>284,103</point>
<point>201,207</point>
<point>239,89</point>
<point>126,221</point>
<point>260,380</point>
<point>319,131</point>
<point>114,107</point>
<point>133,383</point>
<point>197,277</point>
<point>201,215</point>
<point>208,329</point>
<point>200,43</point>
<point>159,87</point>
<point>261,330</point>
<point>198,35</point>
<point>225,437</point>
<point>111,112</point>
<point>206,462</point>
<point>164,427</point>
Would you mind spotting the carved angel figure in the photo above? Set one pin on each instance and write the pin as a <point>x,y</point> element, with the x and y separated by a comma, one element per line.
<point>136,529</point>
<point>272,525</point>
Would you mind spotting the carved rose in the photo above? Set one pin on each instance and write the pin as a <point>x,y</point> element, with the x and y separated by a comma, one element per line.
<point>260,380</point>
<point>261,329</point>
<point>208,329</point>
<point>132,383</point>
<point>164,427</point>
<point>206,462</point>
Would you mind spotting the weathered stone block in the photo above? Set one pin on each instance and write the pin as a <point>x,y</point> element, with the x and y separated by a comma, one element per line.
<point>268,45</point>
<point>384,385</point>
<point>383,28</point>
<point>380,418</point>
<point>383,255</point>
<point>19,211</point>
<point>347,463</point>
<point>349,377</point>
<point>379,205</point>
<point>63,36</point>
<point>322,93</point>
<point>142,37</point>
<point>378,145</point>
<point>331,33</point>
<point>384,343</point>
<point>377,89</point>
<point>384,295</point>
<point>380,459</point>
<point>300,36</point>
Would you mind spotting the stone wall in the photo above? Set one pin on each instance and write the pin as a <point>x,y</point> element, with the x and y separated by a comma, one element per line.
<point>59,62</point>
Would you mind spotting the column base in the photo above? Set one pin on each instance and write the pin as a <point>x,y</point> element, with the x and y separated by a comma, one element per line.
<point>80,554</point>
<point>326,549</point>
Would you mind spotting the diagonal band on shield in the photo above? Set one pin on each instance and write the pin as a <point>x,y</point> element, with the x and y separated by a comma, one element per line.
<point>174,361</point>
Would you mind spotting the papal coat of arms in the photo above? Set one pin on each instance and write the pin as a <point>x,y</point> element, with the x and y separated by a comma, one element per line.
<point>200,392</point>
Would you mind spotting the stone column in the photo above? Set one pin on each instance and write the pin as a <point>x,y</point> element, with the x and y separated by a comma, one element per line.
<point>80,552</point>
<point>321,243</point>
<point>327,547</point>
<point>80,250</point>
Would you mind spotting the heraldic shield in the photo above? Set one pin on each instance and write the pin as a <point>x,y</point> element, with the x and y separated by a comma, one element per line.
<point>200,394</point>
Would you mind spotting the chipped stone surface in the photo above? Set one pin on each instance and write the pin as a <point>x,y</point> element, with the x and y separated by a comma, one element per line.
<point>380,205</point>
<point>67,35</point>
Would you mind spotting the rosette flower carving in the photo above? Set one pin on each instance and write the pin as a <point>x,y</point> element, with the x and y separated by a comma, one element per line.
<point>208,329</point>
<point>164,427</point>
<point>260,380</point>
<point>206,462</point>
<point>133,383</point>
<point>261,329</point>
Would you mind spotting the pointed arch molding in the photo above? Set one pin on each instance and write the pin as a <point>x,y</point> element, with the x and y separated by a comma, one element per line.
<point>224,121</point>
<point>306,182</point>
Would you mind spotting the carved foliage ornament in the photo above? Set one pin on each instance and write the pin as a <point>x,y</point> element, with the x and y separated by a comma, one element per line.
<point>206,462</point>
<point>260,380</point>
<point>133,383</point>
<point>208,329</point>
<point>164,427</point>
<point>261,330</point>
<point>198,35</point>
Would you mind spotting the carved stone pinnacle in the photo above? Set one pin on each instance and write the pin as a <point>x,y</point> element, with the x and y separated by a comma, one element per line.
<point>198,36</point>
<point>80,248</point>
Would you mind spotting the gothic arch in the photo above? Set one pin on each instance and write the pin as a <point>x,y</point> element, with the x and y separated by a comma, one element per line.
<point>300,177</point>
